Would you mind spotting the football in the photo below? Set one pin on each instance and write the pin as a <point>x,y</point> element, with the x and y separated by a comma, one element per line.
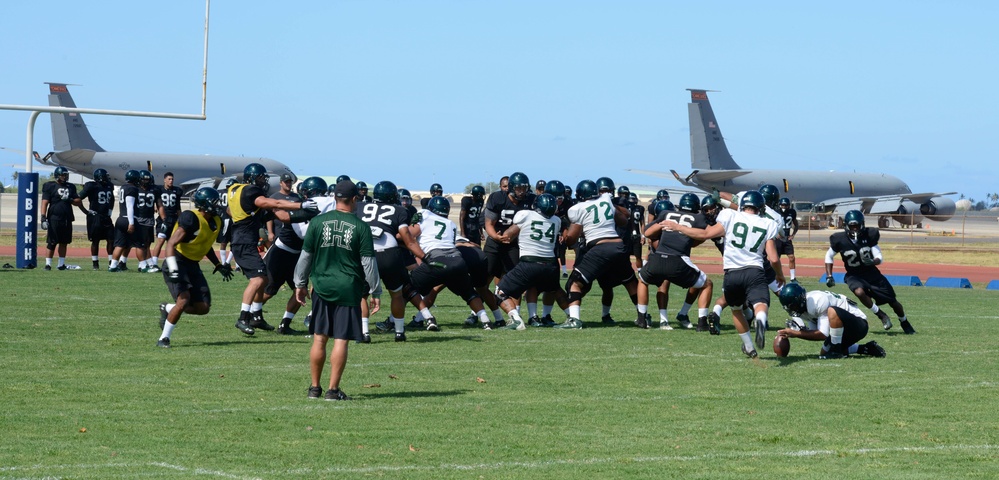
<point>782,346</point>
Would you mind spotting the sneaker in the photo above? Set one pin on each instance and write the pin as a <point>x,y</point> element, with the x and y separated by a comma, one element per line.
<point>365,338</point>
<point>315,393</point>
<point>749,353</point>
<point>163,343</point>
<point>516,325</point>
<point>571,323</point>
<point>152,269</point>
<point>432,325</point>
<point>385,327</point>
<point>487,326</point>
<point>641,321</point>
<point>702,324</point>
<point>872,349</point>
<point>163,315</point>
<point>835,352</point>
<point>548,321</point>
<point>97,265</point>
<point>761,333</point>
<point>714,324</point>
<point>47,268</point>
<point>685,321</point>
<point>257,322</point>
<point>415,323</point>
<point>123,266</point>
<point>285,328</point>
<point>608,320</point>
<point>471,320</point>
<point>535,321</point>
<point>244,327</point>
<point>308,320</point>
<point>115,269</point>
<point>499,323</point>
<point>62,267</point>
<point>885,321</point>
<point>565,274</point>
<point>335,395</point>
<point>664,325</point>
<point>907,327</point>
<point>400,336</point>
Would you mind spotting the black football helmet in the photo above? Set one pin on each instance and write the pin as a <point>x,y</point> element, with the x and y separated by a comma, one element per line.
<point>633,198</point>
<point>61,174</point>
<point>405,198</point>
<point>207,199</point>
<point>540,185</point>
<point>784,203</point>
<point>586,190</point>
<point>386,192</point>
<point>771,195</point>
<point>662,195</point>
<point>436,190</point>
<point>132,177</point>
<point>102,177</point>
<point>568,192</point>
<point>690,203</point>
<point>794,299</point>
<point>546,205</point>
<point>605,184</point>
<point>362,189</point>
<point>519,185</point>
<point>663,206</point>
<point>623,191</point>
<point>312,187</point>
<point>439,205</point>
<point>145,178</point>
<point>853,222</point>
<point>478,192</point>
<point>752,199</point>
<point>341,178</point>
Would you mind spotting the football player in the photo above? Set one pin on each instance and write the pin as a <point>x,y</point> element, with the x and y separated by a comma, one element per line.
<point>225,233</point>
<point>829,318</point>
<point>192,238</point>
<point>785,246</point>
<point>169,196</point>
<point>749,239</point>
<point>857,245</point>
<point>471,211</point>
<point>125,236</point>
<point>362,192</point>
<point>501,206</point>
<point>58,198</point>
<point>100,195</point>
<point>436,190</point>
<point>286,247</point>
<point>147,204</point>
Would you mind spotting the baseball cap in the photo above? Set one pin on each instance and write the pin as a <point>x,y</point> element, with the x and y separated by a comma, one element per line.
<point>287,177</point>
<point>345,189</point>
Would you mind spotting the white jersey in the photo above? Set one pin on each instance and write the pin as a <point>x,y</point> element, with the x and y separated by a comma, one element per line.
<point>324,204</point>
<point>816,316</point>
<point>778,219</point>
<point>596,216</point>
<point>537,233</point>
<point>436,232</point>
<point>746,238</point>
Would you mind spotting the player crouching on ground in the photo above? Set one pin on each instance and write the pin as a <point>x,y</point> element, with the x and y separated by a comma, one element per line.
<point>829,318</point>
<point>193,236</point>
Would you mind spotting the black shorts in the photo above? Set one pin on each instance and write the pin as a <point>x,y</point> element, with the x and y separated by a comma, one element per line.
<point>607,263</point>
<point>408,259</point>
<point>784,247</point>
<point>450,272</point>
<point>854,328</point>
<point>165,227</point>
<point>60,231</point>
<point>636,247</point>
<point>477,265</point>
<point>874,283</point>
<point>744,284</point>
<point>248,258</point>
<point>280,265</point>
<point>474,234</point>
<point>144,236</point>
<point>768,272</point>
<point>100,227</point>
<point>560,250</point>
<point>192,281</point>
<point>392,268</point>
<point>124,239</point>
<point>225,233</point>
<point>335,321</point>
<point>500,257</point>
<point>672,268</point>
<point>527,274</point>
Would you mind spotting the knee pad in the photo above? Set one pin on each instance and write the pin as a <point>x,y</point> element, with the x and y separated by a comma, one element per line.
<point>576,277</point>
<point>501,296</point>
<point>574,296</point>
<point>408,292</point>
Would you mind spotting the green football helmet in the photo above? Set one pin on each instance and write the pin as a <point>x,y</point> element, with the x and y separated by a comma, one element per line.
<point>436,190</point>
<point>132,177</point>
<point>255,173</point>
<point>312,187</point>
<point>519,185</point>
<point>145,178</point>
<point>101,176</point>
<point>605,184</point>
<point>794,299</point>
<point>341,178</point>
<point>206,199</point>
<point>662,195</point>
<point>362,189</point>
<point>710,207</point>
<point>61,174</point>
<point>752,199</point>
<point>478,192</point>
<point>623,192</point>
<point>662,206</point>
<point>439,205</point>
<point>784,203</point>
<point>586,190</point>
<point>386,192</point>
<point>690,203</point>
<point>405,198</point>
<point>546,205</point>
<point>771,195</point>
<point>853,218</point>
<point>555,188</point>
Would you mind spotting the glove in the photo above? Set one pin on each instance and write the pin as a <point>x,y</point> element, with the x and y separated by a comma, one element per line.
<point>310,205</point>
<point>45,224</point>
<point>792,325</point>
<point>830,282</point>
<point>163,228</point>
<point>92,213</point>
<point>866,259</point>
<point>226,271</point>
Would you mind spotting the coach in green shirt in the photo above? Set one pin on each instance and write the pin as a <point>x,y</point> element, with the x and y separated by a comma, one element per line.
<point>339,258</point>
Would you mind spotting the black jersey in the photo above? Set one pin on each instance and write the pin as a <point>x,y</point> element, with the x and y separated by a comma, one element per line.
<point>100,196</point>
<point>384,219</point>
<point>60,197</point>
<point>283,231</point>
<point>128,191</point>
<point>170,199</point>
<point>500,208</point>
<point>637,219</point>
<point>676,243</point>
<point>473,212</point>
<point>145,205</point>
<point>790,217</point>
<point>854,252</point>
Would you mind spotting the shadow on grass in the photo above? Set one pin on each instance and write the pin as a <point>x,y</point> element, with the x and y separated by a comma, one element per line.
<point>788,361</point>
<point>240,341</point>
<point>444,338</point>
<point>445,393</point>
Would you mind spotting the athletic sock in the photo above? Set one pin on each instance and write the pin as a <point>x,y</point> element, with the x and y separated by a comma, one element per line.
<point>114,263</point>
<point>875,309</point>
<point>747,341</point>
<point>364,325</point>
<point>169,307</point>
<point>515,316</point>
<point>400,324</point>
<point>792,274</point>
<point>288,316</point>
<point>663,315</point>
<point>425,313</point>
<point>717,310</point>
<point>606,310</point>
<point>642,309</point>
<point>167,330</point>
<point>532,309</point>
<point>94,258</point>
<point>546,310</point>
<point>853,348</point>
<point>483,317</point>
<point>702,312</point>
<point>497,314</point>
<point>48,262</point>
<point>836,335</point>
<point>684,309</point>
<point>574,311</point>
<point>256,307</point>
<point>62,261</point>
<point>155,260</point>
<point>244,307</point>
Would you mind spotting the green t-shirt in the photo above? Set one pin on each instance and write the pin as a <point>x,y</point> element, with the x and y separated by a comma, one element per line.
<point>337,241</point>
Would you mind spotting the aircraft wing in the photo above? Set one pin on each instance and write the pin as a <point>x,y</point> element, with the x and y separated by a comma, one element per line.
<point>880,205</point>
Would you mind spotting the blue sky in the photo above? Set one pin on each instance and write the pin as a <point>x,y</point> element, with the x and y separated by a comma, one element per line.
<point>457,92</point>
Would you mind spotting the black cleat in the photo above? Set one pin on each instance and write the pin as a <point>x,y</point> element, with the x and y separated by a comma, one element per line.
<point>244,327</point>
<point>641,321</point>
<point>608,320</point>
<point>287,330</point>
<point>97,265</point>
<point>761,333</point>
<point>400,336</point>
<point>907,327</point>
<point>61,267</point>
<point>163,343</point>
<point>714,324</point>
<point>257,322</point>
<point>122,266</point>
<point>749,353</point>
<point>385,327</point>
<point>684,321</point>
<point>499,324</point>
<point>365,338</point>
<point>315,393</point>
<point>885,321</point>
<point>415,323</point>
<point>47,268</point>
<point>471,320</point>
<point>432,325</point>
<point>702,324</point>
<point>534,321</point>
<point>835,352</point>
<point>548,321</point>
<point>335,395</point>
<point>163,315</point>
<point>872,349</point>
<point>487,326</point>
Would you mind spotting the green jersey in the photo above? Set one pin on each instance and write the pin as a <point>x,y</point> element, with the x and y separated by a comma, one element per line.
<point>337,241</point>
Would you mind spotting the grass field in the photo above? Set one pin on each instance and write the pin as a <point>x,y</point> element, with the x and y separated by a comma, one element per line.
<point>86,394</point>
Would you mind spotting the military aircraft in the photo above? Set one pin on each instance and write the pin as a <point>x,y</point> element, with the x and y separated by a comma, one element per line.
<point>76,150</point>
<point>877,194</point>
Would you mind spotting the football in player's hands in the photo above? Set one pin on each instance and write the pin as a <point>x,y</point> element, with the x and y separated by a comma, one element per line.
<point>782,346</point>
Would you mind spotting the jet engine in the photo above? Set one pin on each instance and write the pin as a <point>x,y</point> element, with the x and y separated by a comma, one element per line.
<point>938,209</point>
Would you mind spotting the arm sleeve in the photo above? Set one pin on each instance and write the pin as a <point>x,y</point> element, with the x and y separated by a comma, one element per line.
<point>130,209</point>
<point>302,269</point>
<point>876,253</point>
<point>830,255</point>
<point>371,276</point>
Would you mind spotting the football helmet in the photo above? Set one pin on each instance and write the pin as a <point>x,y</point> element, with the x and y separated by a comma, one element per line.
<point>519,184</point>
<point>662,195</point>
<point>568,192</point>
<point>794,300</point>
<point>586,190</point>
<point>255,174</point>
<point>362,189</point>
<point>771,195</point>
<point>853,218</point>
<point>752,199</point>
<point>623,192</point>
<point>145,178</point>
<point>710,207</point>
<point>312,187</point>
<point>540,185</point>
<point>633,198</point>
<point>439,205</point>
<point>206,199</point>
<point>101,176</point>
<point>405,198</point>
<point>555,188</point>
<point>341,178</point>
<point>690,203</point>
<point>663,206</point>
<point>605,184</point>
<point>478,192</point>
<point>546,205</point>
<point>386,192</point>
<point>61,174</point>
<point>784,203</point>
<point>436,190</point>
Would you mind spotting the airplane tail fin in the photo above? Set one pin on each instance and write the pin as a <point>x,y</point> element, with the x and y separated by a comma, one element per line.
<point>707,146</point>
<point>68,129</point>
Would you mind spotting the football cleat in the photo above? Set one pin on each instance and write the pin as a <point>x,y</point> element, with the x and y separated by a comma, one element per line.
<point>835,352</point>
<point>471,320</point>
<point>123,266</point>
<point>285,329</point>
<point>487,326</point>
<point>871,348</point>
<point>641,321</point>
<point>365,338</point>
<point>257,321</point>
<point>499,324</point>
<point>664,325</point>
<point>548,321</point>
<point>535,321</point>
<point>400,336</point>
<point>608,320</point>
<point>571,324</point>
<point>335,395</point>
<point>315,393</point>
<point>432,325</point>
<point>885,321</point>
<point>749,353</point>
<point>47,268</point>
<point>684,321</point>
<point>702,324</point>
<point>61,267</point>
<point>385,327</point>
<point>163,315</point>
<point>152,269</point>
<point>244,327</point>
<point>761,333</point>
<point>516,325</point>
<point>907,327</point>
<point>415,323</point>
<point>163,343</point>
<point>115,269</point>
<point>97,265</point>
<point>714,324</point>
